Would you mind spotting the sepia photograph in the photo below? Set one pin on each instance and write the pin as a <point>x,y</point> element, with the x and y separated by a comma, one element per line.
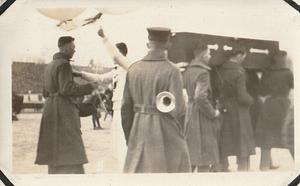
<point>136,87</point>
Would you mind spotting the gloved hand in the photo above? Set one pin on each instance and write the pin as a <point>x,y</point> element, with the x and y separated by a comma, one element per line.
<point>101,32</point>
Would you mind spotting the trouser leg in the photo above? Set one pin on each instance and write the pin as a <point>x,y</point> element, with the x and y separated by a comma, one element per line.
<point>105,116</point>
<point>66,169</point>
<point>97,117</point>
<point>243,163</point>
<point>98,123</point>
<point>203,168</point>
<point>94,122</point>
<point>194,168</point>
<point>265,159</point>
<point>217,167</point>
<point>224,164</point>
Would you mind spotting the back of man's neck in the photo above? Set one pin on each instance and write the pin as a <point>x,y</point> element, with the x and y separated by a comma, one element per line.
<point>158,49</point>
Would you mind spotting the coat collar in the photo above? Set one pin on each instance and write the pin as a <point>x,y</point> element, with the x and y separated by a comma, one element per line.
<point>201,65</point>
<point>278,66</point>
<point>60,55</point>
<point>156,55</point>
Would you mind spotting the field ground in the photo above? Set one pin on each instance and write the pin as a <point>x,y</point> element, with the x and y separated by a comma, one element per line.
<point>98,144</point>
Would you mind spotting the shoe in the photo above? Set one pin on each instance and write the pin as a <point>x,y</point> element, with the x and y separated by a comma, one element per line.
<point>216,168</point>
<point>225,170</point>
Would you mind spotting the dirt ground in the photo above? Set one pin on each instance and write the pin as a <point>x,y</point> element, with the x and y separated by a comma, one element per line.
<point>98,144</point>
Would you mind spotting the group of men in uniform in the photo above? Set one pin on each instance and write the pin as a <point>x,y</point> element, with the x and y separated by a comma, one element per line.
<point>199,133</point>
<point>214,127</point>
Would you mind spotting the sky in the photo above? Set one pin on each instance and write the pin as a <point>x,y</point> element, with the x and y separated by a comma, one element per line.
<point>25,33</point>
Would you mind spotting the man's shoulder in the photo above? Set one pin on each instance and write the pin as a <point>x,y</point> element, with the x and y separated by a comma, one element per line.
<point>193,71</point>
<point>134,65</point>
<point>57,64</point>
<point>166,64</point>
<point>60,62</point>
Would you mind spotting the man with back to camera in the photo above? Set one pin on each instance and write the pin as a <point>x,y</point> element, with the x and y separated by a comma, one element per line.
<point>156,142</point>
<point>201,116</point>
<point>276,84</point>
<point>60,144</point>
<point>236,133</point>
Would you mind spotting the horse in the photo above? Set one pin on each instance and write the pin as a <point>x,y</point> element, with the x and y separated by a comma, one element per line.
<point>92,106</point>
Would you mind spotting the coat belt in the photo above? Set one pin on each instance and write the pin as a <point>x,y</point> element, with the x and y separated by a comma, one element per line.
<point>146,109</point>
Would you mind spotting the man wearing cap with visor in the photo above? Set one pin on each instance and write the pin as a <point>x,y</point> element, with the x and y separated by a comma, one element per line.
<point>156,142</point>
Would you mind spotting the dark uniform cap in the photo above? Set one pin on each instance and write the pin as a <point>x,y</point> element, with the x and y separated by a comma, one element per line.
<point>279,57</point>
<point>64,40</point>
<point>280,53</point>
<point>159,34</point>
<point>237,50</point>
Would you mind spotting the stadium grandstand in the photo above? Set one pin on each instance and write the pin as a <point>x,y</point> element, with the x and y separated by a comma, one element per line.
<point>28,76</point>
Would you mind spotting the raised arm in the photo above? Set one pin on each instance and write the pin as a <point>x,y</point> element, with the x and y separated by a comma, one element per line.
<point>113,51</point>
<point>97,77</point>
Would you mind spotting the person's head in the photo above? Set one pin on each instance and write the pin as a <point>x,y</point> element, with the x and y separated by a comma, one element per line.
<point>238,55</point>
<point>66,45</point>
<point>159,38</point>
<point>280,58</point>
<point>202,53</point>
<point>122,47</point>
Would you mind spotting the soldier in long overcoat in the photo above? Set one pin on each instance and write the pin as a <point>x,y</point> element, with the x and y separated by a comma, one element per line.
<point>276,83</point>
<point>253,88</point>
<point>60,144</point>
<point>201,116</point>
<point>236,132</point>
<point>156,142</point>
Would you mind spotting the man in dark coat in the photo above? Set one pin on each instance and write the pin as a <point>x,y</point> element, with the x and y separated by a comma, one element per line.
<point>156,142</point>
<point>60,145</point>
<point>253,88</point>
<point>201,116</point>
<point>276,84</point>
<point>236,132</point>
